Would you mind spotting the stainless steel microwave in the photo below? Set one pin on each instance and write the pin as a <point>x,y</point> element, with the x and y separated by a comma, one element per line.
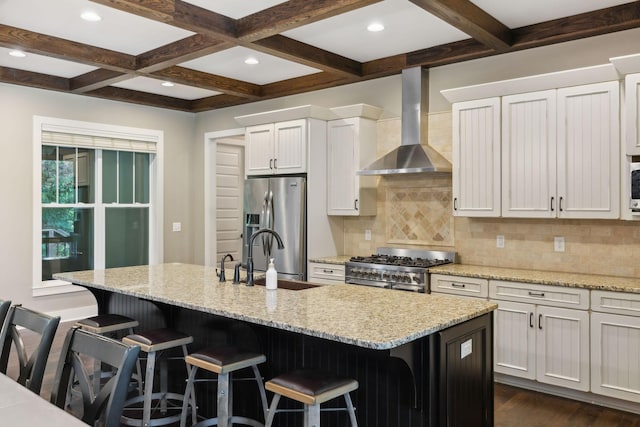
<point>635,188</point>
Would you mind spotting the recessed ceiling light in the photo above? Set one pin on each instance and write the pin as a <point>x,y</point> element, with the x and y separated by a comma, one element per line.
<point>251,61</point>
<point>374,27</point>
<point>90,16</point>
<point>17,53</point>
<point>167,84</point>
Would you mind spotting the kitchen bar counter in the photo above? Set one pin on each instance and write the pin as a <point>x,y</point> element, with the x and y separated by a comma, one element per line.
<point>358,315</point>
<point>575,280</point>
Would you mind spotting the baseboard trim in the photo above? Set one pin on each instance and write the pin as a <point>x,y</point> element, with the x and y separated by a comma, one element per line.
<point>581,396</point>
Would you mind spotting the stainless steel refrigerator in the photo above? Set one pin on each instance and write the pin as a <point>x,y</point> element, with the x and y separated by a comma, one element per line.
<point>278,203</point>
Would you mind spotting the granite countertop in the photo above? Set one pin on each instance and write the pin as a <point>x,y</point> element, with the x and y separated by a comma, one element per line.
<point>359,315</point>
<point>336,259</point>
<point>575,280</point>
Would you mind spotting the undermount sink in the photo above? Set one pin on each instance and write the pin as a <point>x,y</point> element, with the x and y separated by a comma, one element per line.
<point>292,285</point>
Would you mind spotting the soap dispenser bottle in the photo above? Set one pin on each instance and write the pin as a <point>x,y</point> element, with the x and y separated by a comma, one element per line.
<point>272,276</point>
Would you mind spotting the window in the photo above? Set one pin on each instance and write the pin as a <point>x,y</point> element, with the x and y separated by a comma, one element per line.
<point>98,197</point>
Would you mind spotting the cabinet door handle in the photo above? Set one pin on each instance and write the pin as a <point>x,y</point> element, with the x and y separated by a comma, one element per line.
<point>540,321</point>
<point>275,163</point>
<point>552,204</point>
<point>458,285</point>
<point>560,204</point>
<point>531,319</point>
<point>536,294</point>
<point>327,271</point>
<point>455,203</point>
<point>270,163</point>
<point>355,204</point>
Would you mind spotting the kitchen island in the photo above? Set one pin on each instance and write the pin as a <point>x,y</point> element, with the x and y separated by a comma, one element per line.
<point>421,360</point>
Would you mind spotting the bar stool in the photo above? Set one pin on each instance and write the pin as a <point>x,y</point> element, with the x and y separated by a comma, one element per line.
<point>311,388</point>
<point>113,325</point>
<point>153,342</point>
<point>224,361</point>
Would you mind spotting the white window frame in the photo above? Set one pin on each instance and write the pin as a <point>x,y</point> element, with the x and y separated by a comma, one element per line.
<point>156,171</point>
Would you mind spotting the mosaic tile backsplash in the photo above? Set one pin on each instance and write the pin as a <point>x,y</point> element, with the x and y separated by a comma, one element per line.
<point>413,212</point>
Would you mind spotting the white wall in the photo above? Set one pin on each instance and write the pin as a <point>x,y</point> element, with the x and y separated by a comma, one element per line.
<point>18,105</point>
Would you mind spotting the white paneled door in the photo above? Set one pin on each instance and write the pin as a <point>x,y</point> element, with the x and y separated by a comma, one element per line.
<point>229,199</point>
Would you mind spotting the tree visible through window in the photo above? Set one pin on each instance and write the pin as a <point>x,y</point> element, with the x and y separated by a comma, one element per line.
<point>81,185</point>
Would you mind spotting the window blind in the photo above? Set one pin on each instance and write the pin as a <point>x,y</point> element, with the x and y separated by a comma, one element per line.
<point>49,137</point>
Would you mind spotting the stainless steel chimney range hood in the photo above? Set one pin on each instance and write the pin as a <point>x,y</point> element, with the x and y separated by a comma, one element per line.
<point>411,156</point>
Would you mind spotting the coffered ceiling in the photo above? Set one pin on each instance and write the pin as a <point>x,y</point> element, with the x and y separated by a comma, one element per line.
<point>200,46</point>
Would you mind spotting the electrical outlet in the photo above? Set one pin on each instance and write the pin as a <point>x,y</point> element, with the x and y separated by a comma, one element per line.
<point>500,241</point>
<point>367,234</point>
<point>177,226</point>
<point>558,244</point>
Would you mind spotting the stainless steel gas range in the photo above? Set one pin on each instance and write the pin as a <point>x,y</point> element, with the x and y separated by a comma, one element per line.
<point>394,268</point>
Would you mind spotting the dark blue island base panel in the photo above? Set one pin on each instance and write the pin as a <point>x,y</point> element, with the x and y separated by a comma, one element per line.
<point>444,379</point>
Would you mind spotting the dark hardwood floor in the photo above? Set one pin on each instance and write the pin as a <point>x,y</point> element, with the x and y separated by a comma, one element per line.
<point>514,407</point>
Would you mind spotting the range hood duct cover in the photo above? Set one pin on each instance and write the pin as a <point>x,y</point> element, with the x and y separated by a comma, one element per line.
<point>411,156</point>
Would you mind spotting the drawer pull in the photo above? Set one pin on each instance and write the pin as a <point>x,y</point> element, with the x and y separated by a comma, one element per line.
<point>536,294</point>
<point>458,285</point>
<point>324,270</point>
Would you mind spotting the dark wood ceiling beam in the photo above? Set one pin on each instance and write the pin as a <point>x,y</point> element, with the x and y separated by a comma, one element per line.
<point>134,97</point>
<point>384,67</point>
<point>215,102</point>
<point>470,19</point>
<point>302,53</point>
<point>209,81</point>
<point>291,14</point>
<point>603,21</point>
<point>178,52</point>
<point>303,84</point>
<point>55,47</point>
<point>449,53</point>
<point>96,79</point>
<point>31,79</point>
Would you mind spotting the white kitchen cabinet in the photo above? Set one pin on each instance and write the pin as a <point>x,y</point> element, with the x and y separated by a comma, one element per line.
<point>476,158</point>
<point>326,273</point>
<point>632,113</point>
<point>560,153</point>
<point>351,145</point>
<point>277,148</point>
<point>589,151</point>
<point>529,155</point>
<point>460,286</point>
<point>615,345</point>
<point>540,342</point>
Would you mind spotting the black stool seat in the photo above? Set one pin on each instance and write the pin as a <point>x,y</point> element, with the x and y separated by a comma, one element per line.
<point>105,323</point>
<point>158,339</point>
<point>224,361</point>
<point>311,388</point>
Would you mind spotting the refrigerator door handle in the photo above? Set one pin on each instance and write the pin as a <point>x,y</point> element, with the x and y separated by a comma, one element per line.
<point>264,220</point>
<point>270,222</point>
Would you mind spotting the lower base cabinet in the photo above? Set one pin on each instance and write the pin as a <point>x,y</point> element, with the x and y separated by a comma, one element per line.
<point>546,344</point>
<point>326,273</point>
<point>615,345</point>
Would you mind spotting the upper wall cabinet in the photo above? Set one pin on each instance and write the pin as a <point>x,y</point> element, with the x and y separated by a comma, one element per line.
<point>278,148</point>
<point>476,158</point>
<point>560,153</point>
<point>351,145</point>
<point>632,102</point>
<point>559,149</point>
